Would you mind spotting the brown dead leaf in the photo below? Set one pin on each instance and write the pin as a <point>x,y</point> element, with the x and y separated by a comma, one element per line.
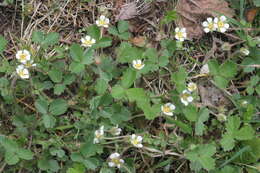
<point>212,96</point>
<point>194,12</point>
<point>127,11</point>
<point>138,41</point>
<point>251,14</point>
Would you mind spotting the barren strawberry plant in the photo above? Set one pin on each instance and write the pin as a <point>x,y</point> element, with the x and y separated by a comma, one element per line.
<point>129,86</point>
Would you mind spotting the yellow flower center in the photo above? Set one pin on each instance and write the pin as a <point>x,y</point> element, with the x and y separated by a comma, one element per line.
<point>23,56</point>
<point>221,24</point>
<point>185,96</point>
<point>98,135</point>
<point>211,26</point>
<point>138,65</point>
<point>21,73</point>
<point>87,42</point>
<point>179,34</point>
<point>135,141</point>
<point>102,22</point>
<point>166,109</point>
<point>192,87</point>
<point>116,161</point>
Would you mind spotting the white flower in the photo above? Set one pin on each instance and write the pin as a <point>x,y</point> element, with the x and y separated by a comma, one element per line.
<point>115,160</point>
<point>168,109</point>
<point>204,69</point>
<point>244,103</point>
<point>29,64</point>
<point>116,131</point>
<point>23,56</point>
<point>209,25</point>
<point>102,21</point>
<point>22,72</point>
<point>138,64</point>
<point>99,134</point>
<point>180,34</point>
<point>186,97</point>
<point>221,23</point>
<point>136,141</point>
<point>192,87</point>
<point>244,51</point>
<point>87,41</point>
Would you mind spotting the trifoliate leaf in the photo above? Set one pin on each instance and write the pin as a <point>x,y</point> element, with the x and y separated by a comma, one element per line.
<point>203,154</point>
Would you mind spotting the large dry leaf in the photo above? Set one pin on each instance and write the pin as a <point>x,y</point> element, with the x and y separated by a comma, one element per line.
<point>127,11</point>
<point>212,96</point>
<point>194,12</point>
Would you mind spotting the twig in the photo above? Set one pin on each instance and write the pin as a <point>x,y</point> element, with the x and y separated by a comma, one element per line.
<point>2,168</point>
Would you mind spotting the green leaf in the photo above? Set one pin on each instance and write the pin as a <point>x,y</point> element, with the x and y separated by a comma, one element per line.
<point>9,144</point>
<point>128,78</point>
<point>151,55</point>
<point>69,79</point>
<point>41,106</point>
<point>91,163</point>
<point>253,154</point>
<point>221,82</point>
<point>150,112</point>
<point>87,57</point>
<point>213,67</point>
<point>113,30</point>
<point>183,126</point>
<point>101,86</point>
<point>103,42</point>
<point>38,37</point>
<point>245,133</point>
<point>48,165</point>
<point>76,52</point>
<point>233,124</point>
<point>119,114</point>
<point>77,168</point>
<point>233,132</point>
<point>179,79</point>
<point>207,163</point>
<point>118,92</point>
<point>203,155</point>
<point>228,69</point>
<point>137,94</point>
<point>11,158</point>
<point>227,142</point>
<point>164,59</point>
<point>59,89</point>
<point>203,117</point>
<point>57,152</point>
<point>89,148</point>
<point>190,112</point>
<point>143,102</point>
<point>106,170</point>
<point>3,44</point>
<point>94,32</point>
<point>50,39</point>
<point>123,26</point>
<point>25,154</point>
<point>126,53</point>
<point>169,17</point>
<point>76,67</point>
<point>55,75</point>
<point>48,121</point>
<point>58,107</point>
<point>124,36</point>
